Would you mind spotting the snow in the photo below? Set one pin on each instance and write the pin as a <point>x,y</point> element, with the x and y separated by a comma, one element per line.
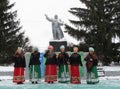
<point>6,77</point>
<point>6,68</point>
<point>107,82</point>
<point>111,68</point>
<point>109,78</point>
<point>106,68</point>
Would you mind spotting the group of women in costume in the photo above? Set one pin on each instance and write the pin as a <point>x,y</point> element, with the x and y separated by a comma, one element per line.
<point>61,67</point>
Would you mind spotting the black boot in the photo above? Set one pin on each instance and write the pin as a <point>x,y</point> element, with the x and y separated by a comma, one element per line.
<point>32,82</point>
<point>36,82</point>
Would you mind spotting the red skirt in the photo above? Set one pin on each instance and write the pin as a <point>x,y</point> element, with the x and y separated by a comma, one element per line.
<point>75,75</point>
<point>51,73</point>
<point>18,75</point>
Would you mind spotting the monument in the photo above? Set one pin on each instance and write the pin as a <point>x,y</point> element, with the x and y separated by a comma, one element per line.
<point>56,27</point>
<point>57,32</point>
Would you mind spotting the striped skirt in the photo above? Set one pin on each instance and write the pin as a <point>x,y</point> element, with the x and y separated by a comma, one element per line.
<point>51,73</point>
<point>63,74</point>
<point>75,74</point>
<point>18,76</point>
<point>34,73</point>
<point>92,76</point>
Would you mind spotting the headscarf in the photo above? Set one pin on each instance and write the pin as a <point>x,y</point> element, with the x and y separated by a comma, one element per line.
<point>62,47</point>
<point>50,47</point>
<point>35,49</point>
<point>91,49</point>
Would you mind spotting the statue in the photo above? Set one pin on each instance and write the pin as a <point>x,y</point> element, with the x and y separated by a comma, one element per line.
<point>56,29</point>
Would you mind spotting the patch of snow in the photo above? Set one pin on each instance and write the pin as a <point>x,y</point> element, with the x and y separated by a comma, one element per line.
<point>109,78</point>
<point>6,77</point>
<point>111,68</point>
<point>6,68</point>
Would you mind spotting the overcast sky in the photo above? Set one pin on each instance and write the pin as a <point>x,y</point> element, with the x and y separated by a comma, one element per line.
<point>35,25</point>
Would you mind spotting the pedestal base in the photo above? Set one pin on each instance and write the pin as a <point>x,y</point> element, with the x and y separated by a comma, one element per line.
<point>57,44</point>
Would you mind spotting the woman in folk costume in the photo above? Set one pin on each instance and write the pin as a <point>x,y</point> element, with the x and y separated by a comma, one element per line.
<point>75,61</point>
<point>19,61</point>
<point>51,65</point>
<point>63,62</point>
<point>91,63</point>
<point>34,70</point>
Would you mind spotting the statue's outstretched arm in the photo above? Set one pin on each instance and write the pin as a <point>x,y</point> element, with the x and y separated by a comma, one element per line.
<point>49,19</point>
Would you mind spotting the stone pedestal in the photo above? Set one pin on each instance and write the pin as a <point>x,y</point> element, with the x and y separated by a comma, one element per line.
<point>57,44</point>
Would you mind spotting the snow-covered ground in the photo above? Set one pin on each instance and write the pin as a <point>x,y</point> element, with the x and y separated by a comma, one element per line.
<point>111,68</point>
<point>106,68</point>
<point>6,68</point>
<point>106,82</point>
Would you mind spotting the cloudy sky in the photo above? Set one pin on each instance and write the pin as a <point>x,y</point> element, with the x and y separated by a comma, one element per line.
<point>37,28</point>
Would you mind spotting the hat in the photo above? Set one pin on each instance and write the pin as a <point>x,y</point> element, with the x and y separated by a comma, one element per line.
<point>50,47</point>
<point>35,49</point>
<point>62,47</point>
<point>91,49</point>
